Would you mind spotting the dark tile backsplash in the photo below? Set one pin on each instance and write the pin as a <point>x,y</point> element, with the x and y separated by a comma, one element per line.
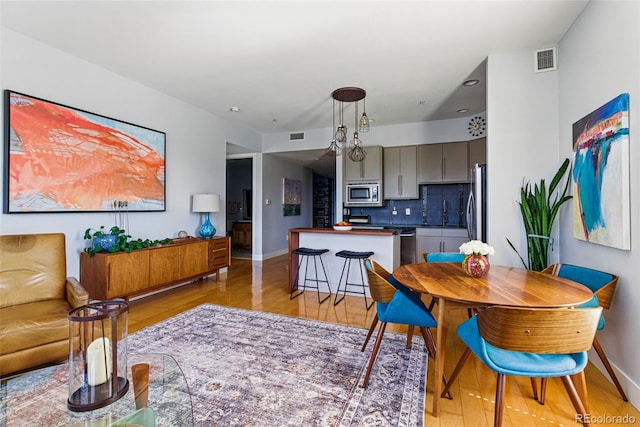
<point>427,210</point>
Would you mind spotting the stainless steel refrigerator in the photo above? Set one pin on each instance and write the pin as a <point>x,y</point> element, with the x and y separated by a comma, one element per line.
<point>477,204</point>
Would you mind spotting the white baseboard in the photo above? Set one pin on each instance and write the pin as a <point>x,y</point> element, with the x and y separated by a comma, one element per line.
<point>262,257</point>
<point>631,389</point>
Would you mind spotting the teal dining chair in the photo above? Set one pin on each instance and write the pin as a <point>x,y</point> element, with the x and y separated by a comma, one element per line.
<point>530,342</point>
<point>443,257</point>
<point>395,303</point>
<point>602,285</point>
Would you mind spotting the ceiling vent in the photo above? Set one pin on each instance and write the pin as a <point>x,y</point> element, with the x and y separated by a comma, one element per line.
<point>296,136</point>
<point>545,60</point>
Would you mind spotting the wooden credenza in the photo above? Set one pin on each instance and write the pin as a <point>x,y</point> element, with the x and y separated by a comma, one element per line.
<point>122,275</point>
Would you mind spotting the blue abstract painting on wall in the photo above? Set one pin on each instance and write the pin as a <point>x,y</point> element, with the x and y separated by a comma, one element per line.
<point>601,212</point>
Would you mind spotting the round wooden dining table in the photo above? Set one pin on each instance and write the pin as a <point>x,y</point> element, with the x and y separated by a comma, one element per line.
<point>509,286</point>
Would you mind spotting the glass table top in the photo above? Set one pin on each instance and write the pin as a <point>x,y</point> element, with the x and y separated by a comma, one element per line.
<point>39,397</point>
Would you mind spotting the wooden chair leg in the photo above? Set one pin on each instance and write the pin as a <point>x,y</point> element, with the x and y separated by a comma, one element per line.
<point>534,388</point>
<point>374,323</point>
<point>456,371</point>
<point>410,335</point>
<point>575,398</point>
<point>500,385</point>
<point>543,390</point>
<point>374,354</point>
<point>432,304</point>
<point>607,365</point>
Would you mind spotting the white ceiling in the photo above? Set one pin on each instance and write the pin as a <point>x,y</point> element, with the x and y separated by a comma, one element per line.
<point>279,61</point>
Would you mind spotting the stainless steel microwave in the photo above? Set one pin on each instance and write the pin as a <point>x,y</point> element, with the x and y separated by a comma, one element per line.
<point>363,194</point>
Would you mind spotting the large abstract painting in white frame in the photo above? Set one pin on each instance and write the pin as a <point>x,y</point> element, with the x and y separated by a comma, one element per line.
<point>601,208</point>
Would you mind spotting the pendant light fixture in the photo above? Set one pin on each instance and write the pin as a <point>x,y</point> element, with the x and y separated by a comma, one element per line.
<point>364,120</point>
<point>334,149</point>
<point>349,94</point>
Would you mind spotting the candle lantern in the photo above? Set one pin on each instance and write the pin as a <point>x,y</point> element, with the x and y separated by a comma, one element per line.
<point>97,355</point>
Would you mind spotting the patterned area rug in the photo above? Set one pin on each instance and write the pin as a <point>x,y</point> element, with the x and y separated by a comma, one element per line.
<point>247,368</point>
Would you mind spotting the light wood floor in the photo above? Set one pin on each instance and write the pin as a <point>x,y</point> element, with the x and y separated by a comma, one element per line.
<point>262,286</point>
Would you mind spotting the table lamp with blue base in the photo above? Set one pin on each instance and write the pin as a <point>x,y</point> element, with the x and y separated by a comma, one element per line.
<point>206,203</point>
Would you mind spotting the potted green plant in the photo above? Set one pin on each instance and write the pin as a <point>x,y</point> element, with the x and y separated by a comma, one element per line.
<point>116,241</point>
<point>539,209</point>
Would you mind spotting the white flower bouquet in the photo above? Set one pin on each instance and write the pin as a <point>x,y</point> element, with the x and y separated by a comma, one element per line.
<point>476,247</point>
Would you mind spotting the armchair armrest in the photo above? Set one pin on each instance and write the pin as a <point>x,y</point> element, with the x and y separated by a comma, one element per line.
<point>75,293</point>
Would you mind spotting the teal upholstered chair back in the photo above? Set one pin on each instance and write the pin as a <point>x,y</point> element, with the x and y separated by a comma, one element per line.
<point>443,257</point>
<point>593,279</point>
<point>601,283</point>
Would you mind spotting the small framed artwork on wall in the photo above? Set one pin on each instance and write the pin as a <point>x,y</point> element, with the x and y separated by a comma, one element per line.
<point>291,196</point>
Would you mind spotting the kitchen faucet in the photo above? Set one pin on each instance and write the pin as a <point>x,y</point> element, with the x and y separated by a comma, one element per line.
<point>444,213</point>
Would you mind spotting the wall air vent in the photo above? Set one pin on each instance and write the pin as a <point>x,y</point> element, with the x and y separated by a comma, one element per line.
<point>296,136</point>
<point>545,60</point>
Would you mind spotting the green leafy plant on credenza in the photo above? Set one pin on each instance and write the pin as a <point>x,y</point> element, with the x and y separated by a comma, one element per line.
<point>539,209</point>
<point>122,242</point>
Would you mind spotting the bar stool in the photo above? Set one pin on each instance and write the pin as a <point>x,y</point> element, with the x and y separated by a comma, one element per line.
<point>306,253</point>
<point>348,257</point>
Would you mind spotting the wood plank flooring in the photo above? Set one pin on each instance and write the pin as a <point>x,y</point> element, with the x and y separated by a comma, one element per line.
<point>262,286</point>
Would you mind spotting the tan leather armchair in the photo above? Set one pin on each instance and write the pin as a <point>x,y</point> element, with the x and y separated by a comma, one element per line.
<point>35,298</point>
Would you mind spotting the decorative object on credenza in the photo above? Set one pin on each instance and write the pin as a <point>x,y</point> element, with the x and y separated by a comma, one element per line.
<point>291,196</point>
<point>182,234</point>
<point>475,262</point>
<point>117,240</point>
<point>206,203</point>
<point>97,355</point>
<point>63,159</point>
<point>539,209</point>
<point>601,206</point>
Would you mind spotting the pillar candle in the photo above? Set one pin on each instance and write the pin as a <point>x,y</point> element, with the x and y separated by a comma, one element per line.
<point>98,353</point>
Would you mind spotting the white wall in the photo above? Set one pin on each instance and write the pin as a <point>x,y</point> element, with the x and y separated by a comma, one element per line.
<point>195,150</point>
<point>522,144</point>
<point>599,58</point>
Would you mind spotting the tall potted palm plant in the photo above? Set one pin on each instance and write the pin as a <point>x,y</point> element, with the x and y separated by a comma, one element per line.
<point>539,208</point>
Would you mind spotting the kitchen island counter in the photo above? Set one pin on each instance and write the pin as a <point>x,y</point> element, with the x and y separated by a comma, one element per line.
<point>384,243</point>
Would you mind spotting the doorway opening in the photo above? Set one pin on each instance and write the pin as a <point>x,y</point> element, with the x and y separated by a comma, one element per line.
<point>240,206</point>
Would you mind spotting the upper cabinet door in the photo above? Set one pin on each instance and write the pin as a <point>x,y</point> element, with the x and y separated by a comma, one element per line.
<point>400,173</point>
<point>438,163</point>
<point>477,152</point>
<point>454,162</point>
<point>429,163</point>
<point>370,169</point>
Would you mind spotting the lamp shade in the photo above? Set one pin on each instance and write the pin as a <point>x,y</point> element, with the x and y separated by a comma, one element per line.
<point>206,203</point>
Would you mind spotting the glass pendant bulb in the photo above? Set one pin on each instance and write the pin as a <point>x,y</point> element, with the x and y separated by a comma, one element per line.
<point>355,142</point>
<point>364,120</point>
<point>334,149</point>
<point>341,134</point>
<point>364,123</point>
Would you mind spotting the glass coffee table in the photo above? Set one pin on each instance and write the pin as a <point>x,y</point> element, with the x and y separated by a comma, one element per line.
<point>39,397</point>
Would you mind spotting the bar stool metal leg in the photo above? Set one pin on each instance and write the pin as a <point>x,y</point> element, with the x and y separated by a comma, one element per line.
<point>348,257</point>
<point>305,253</point>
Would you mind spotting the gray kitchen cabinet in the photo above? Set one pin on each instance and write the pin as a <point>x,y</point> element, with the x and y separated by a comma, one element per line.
<point>440,163</point>
<point>477,152</point>
<point>400,173</point>
<point>370,169</point>
<point>439,240</point>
